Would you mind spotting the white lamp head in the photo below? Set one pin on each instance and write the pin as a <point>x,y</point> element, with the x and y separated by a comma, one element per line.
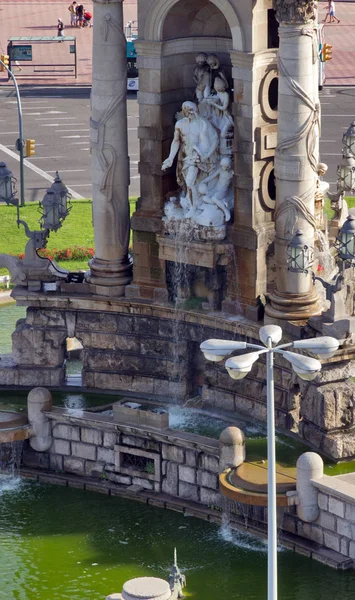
<point>324,346</point>
<point>270,331</point>
<point>307,368</point>
<point>217,350</point>
<point>239,366</point>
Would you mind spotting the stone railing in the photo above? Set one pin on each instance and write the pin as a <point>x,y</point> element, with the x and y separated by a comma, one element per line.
<point>177,463</point>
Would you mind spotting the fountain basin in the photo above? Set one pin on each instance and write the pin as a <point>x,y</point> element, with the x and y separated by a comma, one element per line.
<point>14,427</point>
<point>248,483</point>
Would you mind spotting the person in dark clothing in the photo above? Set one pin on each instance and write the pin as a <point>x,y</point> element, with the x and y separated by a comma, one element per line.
<point>60,28</point>
<point>80,15</point>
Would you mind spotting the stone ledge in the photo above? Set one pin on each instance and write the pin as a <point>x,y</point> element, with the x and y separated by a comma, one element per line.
<point>332,486</point>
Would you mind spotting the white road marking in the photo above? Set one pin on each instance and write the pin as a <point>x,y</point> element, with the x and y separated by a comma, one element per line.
<point>76,185</point>
<point>45,158</point>
<point>35,169</point>
<point>67,137</point>
<point>69,171</point>
<point>330,154</point>
<point>9,133</point>
<point>84,149</point>
<point>77,143</point>
<point>56,118</point>
<point>325,116</point>
<point>70,130</point>
<point>328,141</point>
<point>135,177</point>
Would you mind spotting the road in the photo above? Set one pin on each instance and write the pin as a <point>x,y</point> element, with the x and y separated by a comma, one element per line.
<point>58,119</point>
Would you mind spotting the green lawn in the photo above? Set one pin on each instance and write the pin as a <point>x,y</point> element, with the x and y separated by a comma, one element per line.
<point>77,230</point>
<point>329,212</point>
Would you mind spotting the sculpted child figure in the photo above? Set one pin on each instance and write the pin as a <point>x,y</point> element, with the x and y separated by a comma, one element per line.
<point>218,193</point>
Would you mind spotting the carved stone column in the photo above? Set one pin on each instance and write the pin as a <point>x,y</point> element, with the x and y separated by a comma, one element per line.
<point>111,267</point>
<point>296,156</point>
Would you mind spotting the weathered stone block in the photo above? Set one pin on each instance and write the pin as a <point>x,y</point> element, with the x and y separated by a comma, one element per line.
<point>170,481</point>
<point>327,521</point>
<point>93,468</point>
<point>106,455</point>
<point>73,465</point>
<point>323,501</point>
<point>144,483</point>
<point>352,550</point>
<point>350,512</point>
<point>173,453</point>
<point>344,546</point>
<point>38,460</point>
<point>187,474</point>
<point>210,498</point>
<point>209,463</point>
<point>91,436</point>
<point>66,432</point>
<point>136,442</point>
<point>207,480</point>
<point>336,507</point>
<point>110,439</point>
<point>56,462</point>
<point>332,540</point>
<point>61,447</point>
<point>345,528</point>
<point>191,458</point>
<point>84,450</point>
<point>122,479</point>
<point>188,491</point>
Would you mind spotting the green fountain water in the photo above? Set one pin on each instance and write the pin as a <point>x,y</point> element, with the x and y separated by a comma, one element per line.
<point>69,544</point>
<point>66,544</point>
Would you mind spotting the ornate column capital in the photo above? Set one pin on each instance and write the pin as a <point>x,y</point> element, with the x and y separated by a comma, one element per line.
<point>295,11</point>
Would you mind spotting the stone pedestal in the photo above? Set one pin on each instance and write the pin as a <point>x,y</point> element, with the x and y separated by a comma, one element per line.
<point>144,588</point>
<point>111,268</point>
<point>296,157</point>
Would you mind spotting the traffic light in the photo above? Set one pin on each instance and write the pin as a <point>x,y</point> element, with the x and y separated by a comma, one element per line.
<point>30,147</point>
<point>5,59</point>
<point>327,52</point>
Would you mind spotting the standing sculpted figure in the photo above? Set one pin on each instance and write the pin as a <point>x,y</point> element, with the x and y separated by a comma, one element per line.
<point>202,77</point>
<point>220,115</point>
<point>196,142</point>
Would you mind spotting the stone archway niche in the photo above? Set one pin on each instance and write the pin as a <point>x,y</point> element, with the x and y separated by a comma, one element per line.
<point>171,34</point>
<point>156,27</point>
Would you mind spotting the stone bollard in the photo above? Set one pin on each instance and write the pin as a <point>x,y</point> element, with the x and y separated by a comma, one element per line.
<point>231,448</point>
<point>143,588</point>
<point>39,400</point>
<point>309,466</point>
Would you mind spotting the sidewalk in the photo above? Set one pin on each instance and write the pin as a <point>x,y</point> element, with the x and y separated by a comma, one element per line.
<point>341,69</point>
<point>39,18</point>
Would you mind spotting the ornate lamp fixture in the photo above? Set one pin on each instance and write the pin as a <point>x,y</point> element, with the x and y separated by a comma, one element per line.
<point>300,256</point>
<point>345,242</point>
<point>60,189</point>
<point>7,185</point>
<point>346,169</point>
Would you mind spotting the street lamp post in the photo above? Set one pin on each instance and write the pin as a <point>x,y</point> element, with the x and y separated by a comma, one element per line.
<point>238,367</point>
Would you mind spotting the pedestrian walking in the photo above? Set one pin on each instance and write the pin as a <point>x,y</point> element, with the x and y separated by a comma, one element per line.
<point>332,12</point>
<point>60,28</point>
<point>72,10</point>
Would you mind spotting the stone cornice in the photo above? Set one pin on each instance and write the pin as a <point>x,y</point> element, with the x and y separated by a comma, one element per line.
<point>108,1</point>
<point>295,11</point>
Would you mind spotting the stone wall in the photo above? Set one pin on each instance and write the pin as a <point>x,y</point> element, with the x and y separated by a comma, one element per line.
<point>154,350</point>
<point>180,464</point>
